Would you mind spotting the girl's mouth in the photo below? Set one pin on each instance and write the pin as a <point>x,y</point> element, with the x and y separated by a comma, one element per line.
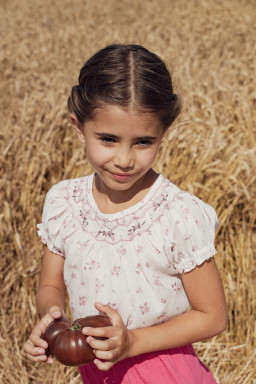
<point>120,177</point>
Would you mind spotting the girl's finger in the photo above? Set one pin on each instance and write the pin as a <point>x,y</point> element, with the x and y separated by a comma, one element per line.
<point>99,332</point>
<point>108,356</point>
<point>35,351</point>
<point>31,347</point>
<point>36,340</point>
<point>36,358</point>
<point>41,358</point>
<point>103,365</point>
<point>103,345</point>
<point>109,312</point>
<point>55,312</point>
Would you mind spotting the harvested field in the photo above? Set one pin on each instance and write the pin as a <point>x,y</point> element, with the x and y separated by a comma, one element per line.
<point>210,47</point>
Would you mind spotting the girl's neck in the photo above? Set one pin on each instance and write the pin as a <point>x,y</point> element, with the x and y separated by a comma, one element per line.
<point>112,201</point>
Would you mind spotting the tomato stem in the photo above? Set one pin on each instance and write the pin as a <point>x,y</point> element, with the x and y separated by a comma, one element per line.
<point>75,326</point>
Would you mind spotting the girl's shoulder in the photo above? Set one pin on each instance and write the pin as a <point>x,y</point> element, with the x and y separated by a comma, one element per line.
<point>69,188</point>
<point>185,205</point>
<point>189,225</point>
<point>66,194</point>
<point>59,205</point>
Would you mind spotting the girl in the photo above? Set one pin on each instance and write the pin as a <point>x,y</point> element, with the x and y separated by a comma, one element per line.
<point>125,241</point>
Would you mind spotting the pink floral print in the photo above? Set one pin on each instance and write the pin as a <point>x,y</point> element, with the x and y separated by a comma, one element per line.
<point>82,300</point>
<point>144,308</point>
<point>115,270</point>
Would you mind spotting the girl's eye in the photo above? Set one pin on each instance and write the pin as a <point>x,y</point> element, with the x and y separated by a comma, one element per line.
<point>144,143</point>
<point>107,139</point>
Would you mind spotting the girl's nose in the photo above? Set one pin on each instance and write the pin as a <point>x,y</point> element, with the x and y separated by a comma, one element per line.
<point>124,158</point>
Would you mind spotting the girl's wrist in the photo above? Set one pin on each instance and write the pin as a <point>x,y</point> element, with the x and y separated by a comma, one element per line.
<point>131,343</point>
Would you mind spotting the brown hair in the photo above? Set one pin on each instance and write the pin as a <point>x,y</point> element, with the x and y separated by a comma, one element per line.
<point>125,76</point>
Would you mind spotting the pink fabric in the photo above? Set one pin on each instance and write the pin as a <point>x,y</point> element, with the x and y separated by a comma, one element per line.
<point>175,366</point>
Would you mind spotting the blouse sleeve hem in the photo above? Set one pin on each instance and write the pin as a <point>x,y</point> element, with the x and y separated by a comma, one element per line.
<point>45,239</point>
<point>199,258</point>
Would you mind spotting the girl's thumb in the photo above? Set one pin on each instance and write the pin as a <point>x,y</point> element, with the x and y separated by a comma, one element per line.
<point>107,310</point>
<point>55,312</point>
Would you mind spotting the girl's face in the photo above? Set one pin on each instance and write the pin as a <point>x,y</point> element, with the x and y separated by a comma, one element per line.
<point>121,145</point>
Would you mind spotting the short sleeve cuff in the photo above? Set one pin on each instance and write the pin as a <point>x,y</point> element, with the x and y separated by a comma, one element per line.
<point>45,239</point>
<point>189,263</point>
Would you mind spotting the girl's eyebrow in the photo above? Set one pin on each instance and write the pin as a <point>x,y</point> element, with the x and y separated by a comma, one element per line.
<point>107,134</point>
<point>118,137</point>
<point>145,138</point>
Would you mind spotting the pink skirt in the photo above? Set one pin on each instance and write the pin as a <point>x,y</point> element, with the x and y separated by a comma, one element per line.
<point>174,366</point>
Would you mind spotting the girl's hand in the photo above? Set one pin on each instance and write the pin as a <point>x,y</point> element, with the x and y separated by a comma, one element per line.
<point>35,346</point>
<point>117,345</point>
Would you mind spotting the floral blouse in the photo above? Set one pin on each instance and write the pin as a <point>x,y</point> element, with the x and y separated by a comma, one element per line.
<point>130,260</point>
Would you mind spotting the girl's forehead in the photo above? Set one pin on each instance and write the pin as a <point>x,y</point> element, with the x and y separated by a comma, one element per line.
<point>117,116</point>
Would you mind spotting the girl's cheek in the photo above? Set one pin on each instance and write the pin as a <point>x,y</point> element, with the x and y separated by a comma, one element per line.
<point>148,157</point>
<point>96,155</point>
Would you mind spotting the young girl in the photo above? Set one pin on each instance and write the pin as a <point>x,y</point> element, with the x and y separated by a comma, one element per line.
<point>125,241</point>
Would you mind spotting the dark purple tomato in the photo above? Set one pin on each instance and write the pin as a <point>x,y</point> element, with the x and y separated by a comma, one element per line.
<point>67,343</point>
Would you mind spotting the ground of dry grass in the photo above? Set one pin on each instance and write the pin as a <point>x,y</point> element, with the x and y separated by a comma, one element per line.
<point>210,47</point>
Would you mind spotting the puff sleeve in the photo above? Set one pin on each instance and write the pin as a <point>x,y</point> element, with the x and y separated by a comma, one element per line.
<point>53,218</point>
<point>193,231</point>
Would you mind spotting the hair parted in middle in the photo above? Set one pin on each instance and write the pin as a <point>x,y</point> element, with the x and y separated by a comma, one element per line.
<point>128,76</point>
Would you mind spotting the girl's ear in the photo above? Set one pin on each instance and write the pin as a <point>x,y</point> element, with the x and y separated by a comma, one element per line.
<point>78,127</point>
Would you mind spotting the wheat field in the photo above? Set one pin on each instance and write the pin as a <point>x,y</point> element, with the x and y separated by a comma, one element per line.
<point>210,48</point>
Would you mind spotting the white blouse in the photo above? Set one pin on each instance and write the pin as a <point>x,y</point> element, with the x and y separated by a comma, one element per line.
<point>130,260</point>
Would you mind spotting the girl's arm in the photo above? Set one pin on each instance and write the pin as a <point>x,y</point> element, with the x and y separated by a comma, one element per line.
<point>207,318</point>
<point>51,290</point>
<point>51,303</point>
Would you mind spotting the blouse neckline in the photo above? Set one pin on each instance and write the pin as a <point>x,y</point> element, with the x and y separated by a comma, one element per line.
<point>126,211</point>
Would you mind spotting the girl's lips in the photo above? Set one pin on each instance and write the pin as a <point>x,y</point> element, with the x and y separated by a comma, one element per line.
<point>120,177</point>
